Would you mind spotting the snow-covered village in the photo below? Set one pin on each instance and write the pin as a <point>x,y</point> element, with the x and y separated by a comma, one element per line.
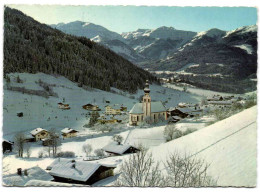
<point>86,106</point>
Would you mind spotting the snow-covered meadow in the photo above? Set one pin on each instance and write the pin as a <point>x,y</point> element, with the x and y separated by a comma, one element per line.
<point>229,145</point>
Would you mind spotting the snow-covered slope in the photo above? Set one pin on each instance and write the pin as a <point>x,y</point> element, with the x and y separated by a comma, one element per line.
<point>44,112</point>
<point>229,146</point>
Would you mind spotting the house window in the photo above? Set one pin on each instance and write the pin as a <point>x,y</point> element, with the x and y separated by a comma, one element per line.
<point>137,118</point>
<point>144,100</point>
<point>154,116</point>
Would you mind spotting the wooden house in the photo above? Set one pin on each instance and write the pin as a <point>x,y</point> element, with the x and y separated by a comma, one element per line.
<point>68,133</point>
<point>106,119</point>
<point>119,149</point>
<point>63,106</point>
<point>91,107</point>
<point>113,110</point>
<point>176,112</point>
<point>39,134</point>
<point>79,172</point>
<point>7,146</point>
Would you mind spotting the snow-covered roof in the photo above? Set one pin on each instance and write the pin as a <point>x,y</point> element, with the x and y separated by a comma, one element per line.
<point>37,130</point>
<point>82,172</point>
<point>68,130</point>
<point>115,148</point>
<point>41,183</point>
<point>7,141</point>
<point>155,107</point>
<point>33,173</point>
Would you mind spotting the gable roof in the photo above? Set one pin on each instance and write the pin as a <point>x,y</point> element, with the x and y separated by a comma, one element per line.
<point>82,172</point>
<point>37,130</point>
<point>68,130</point>
<point>155,108</point>
<point>33,173</point>
<point>115,148</point>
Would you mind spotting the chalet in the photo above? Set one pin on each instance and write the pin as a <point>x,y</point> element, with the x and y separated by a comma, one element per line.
<point>152,111</point>
<point>39,134</point>
<point>7,146</point>
<point>108,119</point>
<point>113,110</point>
<point>79,172</point>
<point>176,112</point>
<point>91,107</point>
<point>23,176</point>
<point>68,132</point>
<point>119,149</point>
<point>63,106</point>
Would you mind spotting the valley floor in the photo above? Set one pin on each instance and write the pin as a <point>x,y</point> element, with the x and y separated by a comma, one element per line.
<point>229,145</point>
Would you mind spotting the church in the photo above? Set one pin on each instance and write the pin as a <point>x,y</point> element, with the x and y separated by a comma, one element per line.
<point>147,111</point>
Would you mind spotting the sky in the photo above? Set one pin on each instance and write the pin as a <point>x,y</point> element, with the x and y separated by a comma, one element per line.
<point>130,18</point>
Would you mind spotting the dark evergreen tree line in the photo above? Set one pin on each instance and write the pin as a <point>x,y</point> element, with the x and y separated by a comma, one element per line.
<point>32,47</point>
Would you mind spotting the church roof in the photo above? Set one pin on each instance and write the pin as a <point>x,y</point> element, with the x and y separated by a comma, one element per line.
<point>155,107</point>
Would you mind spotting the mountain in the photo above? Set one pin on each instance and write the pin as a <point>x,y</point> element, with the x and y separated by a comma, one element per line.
<point>157,43</point>
<point>216,57</point>
<point>99,34</point>
<point>85,29</point>
<point>32,47</point>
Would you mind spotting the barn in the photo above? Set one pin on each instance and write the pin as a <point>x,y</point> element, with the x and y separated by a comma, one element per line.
<point>7,145</point>
<point>79,172</point>
<point>119,149</point>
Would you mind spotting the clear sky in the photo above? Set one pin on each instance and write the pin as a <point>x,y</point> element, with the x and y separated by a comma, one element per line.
<point>130,18</point>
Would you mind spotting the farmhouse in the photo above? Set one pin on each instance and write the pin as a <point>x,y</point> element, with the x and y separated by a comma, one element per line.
<point>68,132</point>
<point>39,134</point>
<point>113,110</point>
<point>109,119</point>
<point>147,110</point>
<point>79,172</point>
<point>176,112</point>
<point>7,145</point>
<point>215,98</point>
<point>119,149</point>
<point>91,107</point>
<point>63,106</point>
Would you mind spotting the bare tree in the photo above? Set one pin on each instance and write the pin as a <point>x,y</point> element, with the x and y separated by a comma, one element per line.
<point>118,139</point>
<point>19,141</point>
<point>99,153</point>
<point>171,132</point>
<point>187,172</point>
<point>140,170</point>
<point>28,150</point>
<point>87,148</point>
<point>54,141</point>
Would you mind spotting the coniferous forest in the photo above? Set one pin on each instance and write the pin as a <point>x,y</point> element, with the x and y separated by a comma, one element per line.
<point>32,47</point>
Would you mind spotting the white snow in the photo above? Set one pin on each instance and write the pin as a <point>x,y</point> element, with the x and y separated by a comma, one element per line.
<point>248,48</point>
<point>33,173</point>
<point>229,146</point>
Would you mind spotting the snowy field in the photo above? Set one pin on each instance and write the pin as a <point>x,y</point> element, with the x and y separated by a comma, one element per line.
<point>229,145</point>
<point>197,91</point>
<point>42,112</point>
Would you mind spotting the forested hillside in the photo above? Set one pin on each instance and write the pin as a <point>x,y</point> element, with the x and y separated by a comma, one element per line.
<point>30,46</point>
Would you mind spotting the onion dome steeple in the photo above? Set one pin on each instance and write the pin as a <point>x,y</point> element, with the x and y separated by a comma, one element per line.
<point>147,89</point>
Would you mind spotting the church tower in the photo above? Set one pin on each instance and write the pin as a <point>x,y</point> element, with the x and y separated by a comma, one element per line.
<point>147,100</point>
